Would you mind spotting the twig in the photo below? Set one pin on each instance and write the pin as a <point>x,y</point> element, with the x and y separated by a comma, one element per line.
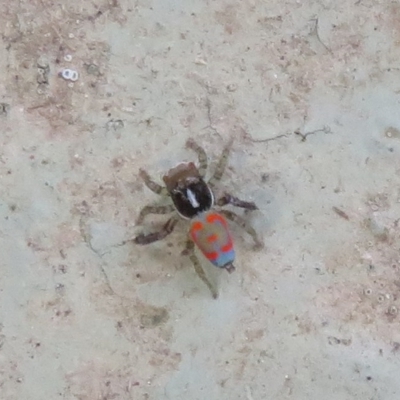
<point>341,213</point>
<point>269,139</point>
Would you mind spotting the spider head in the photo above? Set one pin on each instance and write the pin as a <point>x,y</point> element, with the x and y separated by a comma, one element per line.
<point>189,192</point>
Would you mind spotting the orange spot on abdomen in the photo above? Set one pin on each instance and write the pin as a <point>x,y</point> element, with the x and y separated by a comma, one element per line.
<point>197,226</point>
<point>227,247</point>
<point>211,256</point>
<point>214,217</point>
<point>212,238</point>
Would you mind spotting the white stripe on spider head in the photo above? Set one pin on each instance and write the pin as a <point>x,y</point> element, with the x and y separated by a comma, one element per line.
<point>192,198</point>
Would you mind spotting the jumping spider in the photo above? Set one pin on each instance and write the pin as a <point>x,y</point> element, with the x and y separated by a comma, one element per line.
<point>193,200</point>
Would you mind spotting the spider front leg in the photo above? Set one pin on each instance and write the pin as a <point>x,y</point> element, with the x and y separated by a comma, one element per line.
<point>155,236</point>
<point>220,168</point>
<point>234,201</point>
<point>153,186</point>
<point>189,250</point>
<point>242,223</point>
<point>154,210</point>
<point>201,154</point>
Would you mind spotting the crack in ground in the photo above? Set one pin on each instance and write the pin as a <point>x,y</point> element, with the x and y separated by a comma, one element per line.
<point>209,117</point>
<point>326,129</point>
<point>316,33</point>
<point>87,239</point>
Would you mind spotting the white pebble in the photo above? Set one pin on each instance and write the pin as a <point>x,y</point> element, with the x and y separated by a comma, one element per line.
<point>69,74</point>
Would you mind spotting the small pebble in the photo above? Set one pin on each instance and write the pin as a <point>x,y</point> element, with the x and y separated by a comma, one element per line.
<point>69,74</point>
<point>232,87</point>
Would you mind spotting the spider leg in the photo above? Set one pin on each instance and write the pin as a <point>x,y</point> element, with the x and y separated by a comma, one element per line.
<point>242,223</point>
<point>189,250</point>
<point>168,227</point>
<point>154,210</point>
<point>221,165</point>
<point>234,201</point>
<point>153,186</point>
<point>201,154</point>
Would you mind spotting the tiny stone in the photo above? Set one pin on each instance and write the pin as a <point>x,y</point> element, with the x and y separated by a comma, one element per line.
<point>4,108</point>
<point>381,298</point>
<point>232,87</point>
<point>392,310</point>
<point>367,292</point>
<point>93,69</point>
<point>43,62</point>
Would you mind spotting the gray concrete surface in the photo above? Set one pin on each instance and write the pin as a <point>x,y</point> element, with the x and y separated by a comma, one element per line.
<point>311,92</point>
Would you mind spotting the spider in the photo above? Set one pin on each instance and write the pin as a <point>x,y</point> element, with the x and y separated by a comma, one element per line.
<point>193,199</point>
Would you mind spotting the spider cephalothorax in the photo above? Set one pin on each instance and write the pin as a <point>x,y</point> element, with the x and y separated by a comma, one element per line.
<point>193,199</point>
<point>189,192</point>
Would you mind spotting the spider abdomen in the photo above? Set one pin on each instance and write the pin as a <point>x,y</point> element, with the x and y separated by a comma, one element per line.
<point>209,231</point>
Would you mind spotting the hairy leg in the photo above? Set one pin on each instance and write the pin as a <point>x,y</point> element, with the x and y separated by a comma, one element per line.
<point>153,186</point>
<point>229,199</point>
<point>189,250</point>
<point>201,154</point>
<point>168,227</point>
<point>221,165</point>
<point>154,210</point>
<point>242,223</point>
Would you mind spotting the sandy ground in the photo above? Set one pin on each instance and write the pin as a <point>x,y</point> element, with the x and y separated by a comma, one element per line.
<point>311,92</point>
